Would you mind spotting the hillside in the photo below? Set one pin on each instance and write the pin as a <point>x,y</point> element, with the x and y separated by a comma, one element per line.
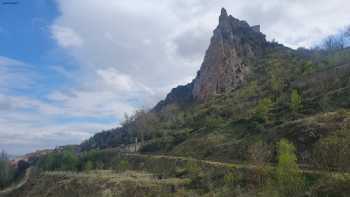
<point>247,91</point>
<point>117,174</point>
<point>259,119</point>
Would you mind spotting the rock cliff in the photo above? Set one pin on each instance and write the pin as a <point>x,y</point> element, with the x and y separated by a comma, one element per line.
<point>225,66</point>
<point>226,63</point>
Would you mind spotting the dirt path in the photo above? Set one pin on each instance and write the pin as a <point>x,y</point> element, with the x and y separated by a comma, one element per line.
<point>19,184</point>
<point>304,170</point>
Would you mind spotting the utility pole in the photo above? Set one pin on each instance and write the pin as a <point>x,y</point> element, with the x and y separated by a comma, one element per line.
<point>136,141</point>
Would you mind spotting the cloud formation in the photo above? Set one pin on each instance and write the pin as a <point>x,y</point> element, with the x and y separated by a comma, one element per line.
<point>66,37</point>
<point>161,43</point>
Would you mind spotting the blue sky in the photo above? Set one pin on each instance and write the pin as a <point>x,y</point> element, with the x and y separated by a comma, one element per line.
<point>33,66</point>
<point>69,69</point>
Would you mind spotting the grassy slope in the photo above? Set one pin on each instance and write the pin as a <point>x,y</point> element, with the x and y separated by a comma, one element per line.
<point>102,183</point>
<point>224,127</point>
<point>157,175</point>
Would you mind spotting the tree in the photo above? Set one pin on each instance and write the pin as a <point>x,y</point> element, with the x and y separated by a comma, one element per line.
<point>263,108</point>
<point>66,160</point>
<point>259,155</point>
<point>289,179</point>
<point>333,152</point>
<point>308,67</point>
<point>7,172</point>
<point>145,124</point>
<point>334,42</point>
<point>295,101</point>
<point>69,161</point>
<point>276,77</point>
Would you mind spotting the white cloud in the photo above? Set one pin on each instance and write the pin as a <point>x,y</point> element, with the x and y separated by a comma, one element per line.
<point>159,43</point>
<point>66,36</point>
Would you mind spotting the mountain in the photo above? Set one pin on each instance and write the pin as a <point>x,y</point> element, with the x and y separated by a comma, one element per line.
<point>227,62</point>
<point>247,89</point>
<point>259,119</point>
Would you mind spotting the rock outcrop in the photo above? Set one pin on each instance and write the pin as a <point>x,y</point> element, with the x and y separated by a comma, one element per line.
<point>225,66</point>
<point>179,95</point>
<point>226,63</point>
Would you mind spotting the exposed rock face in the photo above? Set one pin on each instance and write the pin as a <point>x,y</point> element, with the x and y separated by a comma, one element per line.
<point>225,65</point>
<point>179,95</point>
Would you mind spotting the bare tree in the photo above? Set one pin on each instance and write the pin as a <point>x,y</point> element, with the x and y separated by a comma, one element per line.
<point>4,156</point>
<point>259,154</point>
<point>7,172</point>
<point>347,32</point>
<point>145,123</point>
<point>334,42</point>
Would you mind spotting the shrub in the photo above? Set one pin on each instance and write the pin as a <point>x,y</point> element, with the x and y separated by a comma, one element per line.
<point>66,160</point>
<point>194,173</point>
<point>122,166</point>
<point>88,166</point>
<point>333,152</point>
<point>231,179</point>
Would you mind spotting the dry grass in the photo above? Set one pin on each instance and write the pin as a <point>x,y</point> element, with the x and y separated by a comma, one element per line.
<point>102,183</point>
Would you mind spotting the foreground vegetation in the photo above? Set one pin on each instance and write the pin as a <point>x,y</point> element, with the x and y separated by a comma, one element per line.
<point>7,172</point>
<point>111,173</point>
<point>10,173</point>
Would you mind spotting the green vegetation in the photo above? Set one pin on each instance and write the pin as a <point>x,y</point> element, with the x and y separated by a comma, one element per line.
<point>295,101</point>
<point>290,182</point>
<point>7,172</point>
<point>263,108</point>
<point>66,160</point>
<point>293,109</point>
<point>179,176</point>
<point>286,93</point>
<point>294,96</point>
<point>333,151</point>
<point>101,184</point>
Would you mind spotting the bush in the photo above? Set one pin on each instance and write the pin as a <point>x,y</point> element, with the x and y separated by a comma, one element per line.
<point>194,173</point>
<point>333,152</point>
<point>122,166</point>
<point>66,160</point>
<point>231,179</point>
<point>88,166</point>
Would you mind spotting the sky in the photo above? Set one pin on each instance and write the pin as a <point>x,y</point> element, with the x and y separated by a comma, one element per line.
<point>69,69</point>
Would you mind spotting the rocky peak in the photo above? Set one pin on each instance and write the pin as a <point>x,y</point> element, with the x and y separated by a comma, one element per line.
<point>225,65</point>
<point>226,62</point>
<point>223,14</point>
